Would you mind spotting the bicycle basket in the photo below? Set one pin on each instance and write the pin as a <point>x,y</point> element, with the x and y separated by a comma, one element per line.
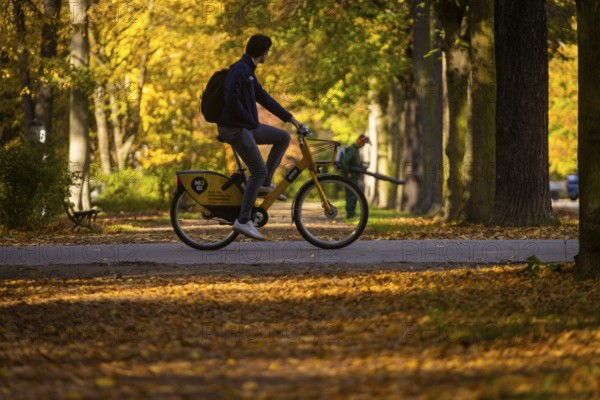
<point>324,151</point>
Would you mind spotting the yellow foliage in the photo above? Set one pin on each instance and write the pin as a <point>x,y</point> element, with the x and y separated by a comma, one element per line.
<point>159,157</point>
<point>562,111</point>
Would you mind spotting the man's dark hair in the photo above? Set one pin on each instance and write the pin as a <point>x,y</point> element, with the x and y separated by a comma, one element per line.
<point>257,45</point>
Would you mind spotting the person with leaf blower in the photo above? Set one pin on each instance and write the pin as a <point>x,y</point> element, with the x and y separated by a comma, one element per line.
<point>350,163</point>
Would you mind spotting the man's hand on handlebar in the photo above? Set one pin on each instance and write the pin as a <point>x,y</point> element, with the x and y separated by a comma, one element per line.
<point>301,128</point>
<point>297,124</point>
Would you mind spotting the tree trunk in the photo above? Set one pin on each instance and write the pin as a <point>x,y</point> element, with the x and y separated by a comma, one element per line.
<point>453,19</point>
<point>458,119</point>
<point>588,37</point>
<point>412,127</point>
<point>479,163</point>
<point>126,125</point>
<point>45,95</point>
<point>411,151</point>
<point>427,76</point>
<point>394,118</point>
<point>18,16</point>
<point>118,132</point>
<point>383,166</point>
<point>79,141</point>
<point>373,131</point>
<point>137,90</point>
<point>98,56</point>
<point>123,129</point>
<point>522,183</point>
<point>102,130</point>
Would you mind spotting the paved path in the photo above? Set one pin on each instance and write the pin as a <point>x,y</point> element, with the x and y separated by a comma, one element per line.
<point>250,253</point>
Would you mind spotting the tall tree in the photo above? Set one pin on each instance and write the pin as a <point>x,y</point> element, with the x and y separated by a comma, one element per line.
<point>18,17</point>
<point>411,147</point>
<point>102,129</point>
<point>384,150</point>
<point>395,114</point>
<point>454,19</point>
<point>126,125</point>
<point>45,91</point>
<point>79,137</point>
<point>480,146</point>
<point>412,118</point>
<point>522,183</point>
<point>100,66</point>
<point>588,37</point>
<point>377,131</point>
<point>427,73</point>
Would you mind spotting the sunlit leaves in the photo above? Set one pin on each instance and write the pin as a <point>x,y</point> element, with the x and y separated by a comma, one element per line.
<point>468,333</point>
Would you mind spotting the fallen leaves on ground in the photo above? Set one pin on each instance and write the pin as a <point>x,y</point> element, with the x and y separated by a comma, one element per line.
<point>422,228</point>
<point>156,228</point>
<point>465,333</point>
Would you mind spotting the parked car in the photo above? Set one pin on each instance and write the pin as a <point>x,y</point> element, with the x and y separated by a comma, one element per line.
<point>573,186</point>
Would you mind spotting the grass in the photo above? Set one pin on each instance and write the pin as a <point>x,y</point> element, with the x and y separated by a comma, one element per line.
<point>381,220</point>
<point>132,204</point>
<point>491,333</point>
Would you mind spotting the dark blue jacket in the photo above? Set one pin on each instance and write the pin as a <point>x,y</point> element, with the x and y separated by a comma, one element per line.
<point>242,91</point>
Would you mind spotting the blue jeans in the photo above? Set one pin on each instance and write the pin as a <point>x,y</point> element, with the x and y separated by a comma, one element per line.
<point>244,142</point>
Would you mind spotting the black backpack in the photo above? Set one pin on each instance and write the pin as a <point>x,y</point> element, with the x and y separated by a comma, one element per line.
<point>212,101</point>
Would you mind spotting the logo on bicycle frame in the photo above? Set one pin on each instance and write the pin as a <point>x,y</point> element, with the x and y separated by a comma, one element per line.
<point>199,185</point>
<point>293,174</point>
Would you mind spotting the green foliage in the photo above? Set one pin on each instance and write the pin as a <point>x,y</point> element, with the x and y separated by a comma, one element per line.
<point>328,52</point>
<point>132,190</point>
<point>535,266</point>
<point>34,183</point>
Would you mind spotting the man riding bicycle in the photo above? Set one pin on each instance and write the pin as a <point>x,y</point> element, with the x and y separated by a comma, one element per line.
<point>239,126</point>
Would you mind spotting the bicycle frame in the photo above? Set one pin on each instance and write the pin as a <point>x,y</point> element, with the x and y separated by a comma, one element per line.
<point>223,200</point>
<point>307,162</point>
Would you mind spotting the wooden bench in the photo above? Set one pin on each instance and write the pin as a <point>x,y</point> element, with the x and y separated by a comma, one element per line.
<point>81,218</point>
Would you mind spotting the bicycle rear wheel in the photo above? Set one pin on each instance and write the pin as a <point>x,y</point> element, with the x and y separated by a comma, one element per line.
<point>338,229</point>
<point>196,226</point>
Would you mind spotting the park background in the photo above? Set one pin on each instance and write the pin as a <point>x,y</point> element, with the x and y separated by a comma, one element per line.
<point>116,91</point>
<point>113,90</point>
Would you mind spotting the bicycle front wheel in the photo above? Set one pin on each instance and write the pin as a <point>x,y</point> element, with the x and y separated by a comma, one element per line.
<point>196,226</point>
<point>338,228</point>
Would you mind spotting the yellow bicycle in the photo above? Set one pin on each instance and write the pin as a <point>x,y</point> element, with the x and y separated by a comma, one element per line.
<point>329,211</point>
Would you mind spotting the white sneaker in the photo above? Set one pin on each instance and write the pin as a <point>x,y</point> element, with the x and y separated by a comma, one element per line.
<point>247,229</point>
<point>266,189</point>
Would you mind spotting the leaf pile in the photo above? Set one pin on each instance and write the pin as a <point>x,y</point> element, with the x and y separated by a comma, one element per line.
<point>464,333</point>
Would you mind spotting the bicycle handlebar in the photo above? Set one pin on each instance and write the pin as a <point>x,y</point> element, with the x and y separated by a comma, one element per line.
<point>304,131</point>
